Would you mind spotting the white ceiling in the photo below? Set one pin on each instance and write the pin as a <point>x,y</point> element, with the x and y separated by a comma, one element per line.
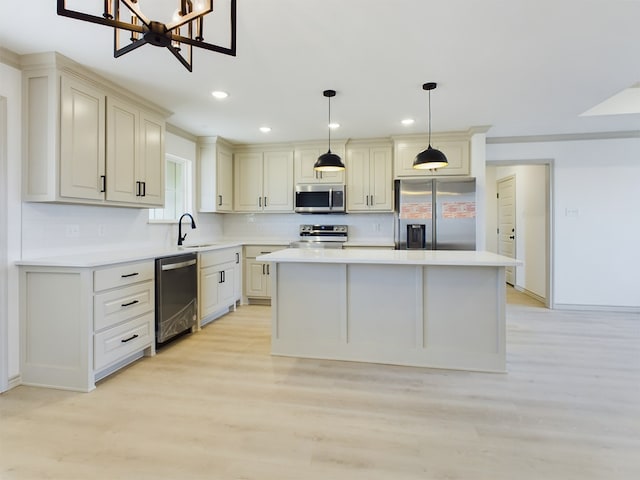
<point>519,66</point>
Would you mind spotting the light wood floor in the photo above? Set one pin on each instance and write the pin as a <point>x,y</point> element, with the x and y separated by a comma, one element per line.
<point>216,405</point>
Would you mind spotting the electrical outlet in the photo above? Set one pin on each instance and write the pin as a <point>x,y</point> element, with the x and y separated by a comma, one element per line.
<point>101,230</point>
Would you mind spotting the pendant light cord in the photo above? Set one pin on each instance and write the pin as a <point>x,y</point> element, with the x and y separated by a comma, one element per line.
<point>429,117</point>
<point>329,124</point>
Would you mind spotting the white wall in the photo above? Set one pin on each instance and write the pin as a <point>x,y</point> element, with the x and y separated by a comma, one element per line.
<point>10,91</point>
<point>530,189</point>
<point>596,222</point>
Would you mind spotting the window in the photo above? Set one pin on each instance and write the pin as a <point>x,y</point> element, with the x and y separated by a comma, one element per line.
<point>177,194</point>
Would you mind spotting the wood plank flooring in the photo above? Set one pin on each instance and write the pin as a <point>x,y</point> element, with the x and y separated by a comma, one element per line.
<point>217,405</point>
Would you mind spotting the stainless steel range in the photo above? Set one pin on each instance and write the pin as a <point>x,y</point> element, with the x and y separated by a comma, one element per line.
<point>321,236</point>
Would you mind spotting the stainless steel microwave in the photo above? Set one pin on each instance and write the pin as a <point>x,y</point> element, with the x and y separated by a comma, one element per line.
<point>320,198</point>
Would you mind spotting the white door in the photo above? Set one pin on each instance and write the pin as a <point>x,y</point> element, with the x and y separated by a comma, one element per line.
<point>507,222</point>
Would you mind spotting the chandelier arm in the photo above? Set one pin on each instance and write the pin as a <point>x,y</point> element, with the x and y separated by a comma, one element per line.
<point>100,20</point>
<point>190,17</point>
<point>207,46</point>
<point>176,53</point>
<point>135,9</point>
<point>118,52</point>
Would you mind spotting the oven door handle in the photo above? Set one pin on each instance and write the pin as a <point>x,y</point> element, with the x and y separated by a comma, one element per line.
<point>174,266</point>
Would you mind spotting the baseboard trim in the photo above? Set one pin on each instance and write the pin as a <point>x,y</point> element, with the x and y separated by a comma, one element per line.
<point>597,308</point>
<point>531,294</point>
<point>14,382</point>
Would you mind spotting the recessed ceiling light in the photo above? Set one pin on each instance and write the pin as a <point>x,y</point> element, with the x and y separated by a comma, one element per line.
<point>219,94</point>
<point>265,129</point>
<point>408,121</point>
<point>333,126</point>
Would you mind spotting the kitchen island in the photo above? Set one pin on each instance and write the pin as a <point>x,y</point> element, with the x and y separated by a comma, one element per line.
<point>442,309</point>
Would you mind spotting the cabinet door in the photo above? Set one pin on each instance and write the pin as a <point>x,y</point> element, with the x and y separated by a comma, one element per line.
<point>278,182</point>
<point>380,179</point>
<point>82,140</point>
<point>256,278</point>
<point>237,278</point>
<point>247,191</point>
<point>151,162</point>
<point>227,286</point>
<point>122,151</point>
<point>305,159</point>
<point>209,290</point>
<point>358,196</point>
<point>456,151</point>
<point>224,180</point>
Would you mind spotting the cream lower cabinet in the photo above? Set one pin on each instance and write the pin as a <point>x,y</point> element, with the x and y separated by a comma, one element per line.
<point>218,283</point>
<point>78,325</point>
<point>257,277</point>
<point>369,179</point>
<point>263,181</point>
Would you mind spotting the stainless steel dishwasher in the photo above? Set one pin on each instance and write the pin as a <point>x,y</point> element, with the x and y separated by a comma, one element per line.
<point>176,296</point>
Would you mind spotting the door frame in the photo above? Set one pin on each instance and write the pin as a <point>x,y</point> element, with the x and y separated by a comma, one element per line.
<point>511,178</point>
<point>4,248</point>
<point>549,165</point>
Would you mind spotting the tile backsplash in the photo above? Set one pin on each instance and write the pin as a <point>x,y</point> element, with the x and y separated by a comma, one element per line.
<point>54,229</point>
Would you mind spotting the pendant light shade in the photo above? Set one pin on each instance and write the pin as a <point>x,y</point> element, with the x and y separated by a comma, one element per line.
<point>329,162</point>
<point>431,158</point>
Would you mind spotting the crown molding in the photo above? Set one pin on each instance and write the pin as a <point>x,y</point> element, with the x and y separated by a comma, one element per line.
<point>567,137</point>
<point>9,58</point>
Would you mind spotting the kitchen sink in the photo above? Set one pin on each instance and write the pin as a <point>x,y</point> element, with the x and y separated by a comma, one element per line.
<point>201,245</point>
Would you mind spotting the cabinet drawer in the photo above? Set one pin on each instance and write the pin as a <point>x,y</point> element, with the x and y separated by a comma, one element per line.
<point>118,342</point>
<point>253,251</point>
<point>122,275</point>
<point>115,306</point>
<point>216,257</point>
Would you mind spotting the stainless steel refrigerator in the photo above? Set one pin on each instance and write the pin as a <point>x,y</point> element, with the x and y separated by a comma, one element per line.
<point>435,214</point>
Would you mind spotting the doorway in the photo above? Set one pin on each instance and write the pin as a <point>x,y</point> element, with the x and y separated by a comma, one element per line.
<point>506,197</point>
<point>532,223</point>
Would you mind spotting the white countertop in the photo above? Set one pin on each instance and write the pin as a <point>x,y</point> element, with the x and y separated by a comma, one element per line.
<point>392,257</point>
<point>109,257</point>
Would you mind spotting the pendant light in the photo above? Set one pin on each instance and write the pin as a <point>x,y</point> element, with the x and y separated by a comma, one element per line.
<point>329,162</point>
<point>431,158</point>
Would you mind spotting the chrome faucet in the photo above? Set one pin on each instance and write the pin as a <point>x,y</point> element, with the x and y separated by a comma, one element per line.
<point>193,225</point>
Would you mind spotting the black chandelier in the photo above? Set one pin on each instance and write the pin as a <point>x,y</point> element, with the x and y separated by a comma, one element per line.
<point>179,36</point>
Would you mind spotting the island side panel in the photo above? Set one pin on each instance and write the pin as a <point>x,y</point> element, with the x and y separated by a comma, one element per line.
<point>384,313</point>
<point>464,317</point>
<point>309,314</point>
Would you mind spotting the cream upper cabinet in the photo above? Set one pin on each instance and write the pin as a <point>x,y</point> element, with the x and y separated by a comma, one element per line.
<point>369,178</point>
<point>135,155</point>
<point>82,140</point>
<point>454,146</point>
<point>305,157</point>
<point>88,140</point>
<point>150,167</point>
<point>215,175</point>
<point>263,181</point>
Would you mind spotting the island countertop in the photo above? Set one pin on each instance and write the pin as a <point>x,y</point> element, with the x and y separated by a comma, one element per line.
<point>391,257</point>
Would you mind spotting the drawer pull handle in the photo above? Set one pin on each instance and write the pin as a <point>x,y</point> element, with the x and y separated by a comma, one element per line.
<point>130,275</point>
<point>130,303</point>
<point>132,337</point>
